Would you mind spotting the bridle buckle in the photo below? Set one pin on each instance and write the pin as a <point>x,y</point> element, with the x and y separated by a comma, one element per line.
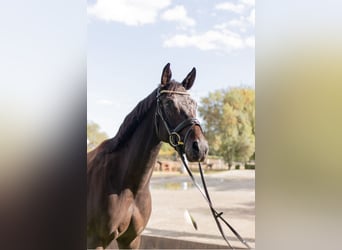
<point>175,139</point>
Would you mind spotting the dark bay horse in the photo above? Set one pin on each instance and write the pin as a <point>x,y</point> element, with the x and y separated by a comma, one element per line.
<point>120,168</point>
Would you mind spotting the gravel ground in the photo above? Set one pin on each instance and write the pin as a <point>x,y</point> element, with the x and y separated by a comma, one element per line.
<point>232,192</point>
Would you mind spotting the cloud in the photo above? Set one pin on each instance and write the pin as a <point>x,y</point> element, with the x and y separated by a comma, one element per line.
<point>251,17</point>
<point>178,14</point>
<point>250,41</point>
<point>246,15</point>
<point>211,40</point>
<point>129,12</point>
<point>104,102</point>
<point>234,34</point>
<point>237,8</point>
<point>243,23</point>
<point>248,2</point>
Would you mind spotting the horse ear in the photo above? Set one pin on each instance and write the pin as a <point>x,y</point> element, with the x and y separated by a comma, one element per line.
<point>189,79</point>
<point>166,75</point>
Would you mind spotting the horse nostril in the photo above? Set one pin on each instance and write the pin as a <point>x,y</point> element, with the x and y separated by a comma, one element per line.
<point>195,146</point>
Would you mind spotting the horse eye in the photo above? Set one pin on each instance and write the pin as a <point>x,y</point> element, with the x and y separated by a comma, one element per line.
<point>168,102</point>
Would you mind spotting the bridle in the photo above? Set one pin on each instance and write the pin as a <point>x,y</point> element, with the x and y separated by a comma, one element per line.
<point>178,144</point>
<point>175,139</point>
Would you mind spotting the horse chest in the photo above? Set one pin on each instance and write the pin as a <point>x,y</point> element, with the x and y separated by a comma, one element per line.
<point>128,214</point>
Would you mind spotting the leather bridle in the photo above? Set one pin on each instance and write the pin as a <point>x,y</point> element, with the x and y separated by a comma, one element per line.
<point>175,139</point>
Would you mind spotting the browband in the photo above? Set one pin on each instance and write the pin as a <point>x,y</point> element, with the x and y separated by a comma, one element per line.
<point>171,92</point>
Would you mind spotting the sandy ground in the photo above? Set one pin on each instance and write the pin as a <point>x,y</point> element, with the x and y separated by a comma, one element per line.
<point>232,192</point>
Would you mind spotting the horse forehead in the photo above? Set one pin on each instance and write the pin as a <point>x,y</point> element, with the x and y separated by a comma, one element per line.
<point>185,103</point>
<point>176,86</point>
<point>181,99</point>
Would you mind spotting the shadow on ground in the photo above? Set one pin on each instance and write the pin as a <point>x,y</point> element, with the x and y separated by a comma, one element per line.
<point>214,183</point>
<point>175,234</point>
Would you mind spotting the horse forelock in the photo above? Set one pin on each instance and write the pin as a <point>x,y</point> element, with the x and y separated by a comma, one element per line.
<point>174,86</point>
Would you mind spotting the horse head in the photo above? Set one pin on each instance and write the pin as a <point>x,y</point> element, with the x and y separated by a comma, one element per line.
<point>176,121</point>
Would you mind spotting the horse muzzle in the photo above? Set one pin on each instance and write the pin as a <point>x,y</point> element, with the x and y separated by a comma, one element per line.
<point>196,150</point>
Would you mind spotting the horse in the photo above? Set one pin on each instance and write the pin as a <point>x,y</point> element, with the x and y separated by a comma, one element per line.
<point>120,168</point>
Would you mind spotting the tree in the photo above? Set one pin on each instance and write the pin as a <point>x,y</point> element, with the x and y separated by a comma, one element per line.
<point>229,123</point>
<point>167,152</point>
<point>94,135</point>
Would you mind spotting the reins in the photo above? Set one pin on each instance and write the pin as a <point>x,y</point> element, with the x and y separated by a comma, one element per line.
<point>206,196</point>
<point>176,142</point>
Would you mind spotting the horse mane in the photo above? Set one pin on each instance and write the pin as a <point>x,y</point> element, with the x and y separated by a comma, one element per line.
<point>131,122</point>
<point>133,119</point>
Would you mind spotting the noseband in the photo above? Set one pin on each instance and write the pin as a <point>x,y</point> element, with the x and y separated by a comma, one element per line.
<point>174,138</point>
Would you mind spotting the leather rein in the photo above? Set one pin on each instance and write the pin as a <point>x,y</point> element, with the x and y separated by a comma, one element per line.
<point>178,144</point>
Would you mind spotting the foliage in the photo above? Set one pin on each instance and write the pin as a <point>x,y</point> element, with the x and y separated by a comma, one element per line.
<point>250,166</point>
<point>167,152</point>
<point>94,135</point>
<point>229,123</point>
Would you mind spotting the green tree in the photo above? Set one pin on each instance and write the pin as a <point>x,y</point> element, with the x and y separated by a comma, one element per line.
<point>229,122</point>
<point>94,135</point>
<point>167,152</point>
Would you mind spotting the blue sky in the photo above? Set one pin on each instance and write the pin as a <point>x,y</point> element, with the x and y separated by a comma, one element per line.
<point>130,41</point>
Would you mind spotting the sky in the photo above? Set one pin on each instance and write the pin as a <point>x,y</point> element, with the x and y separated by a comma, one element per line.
<point>130,41</point>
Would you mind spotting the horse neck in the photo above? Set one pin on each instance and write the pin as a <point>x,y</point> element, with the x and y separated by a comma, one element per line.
<point>143,151</point>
